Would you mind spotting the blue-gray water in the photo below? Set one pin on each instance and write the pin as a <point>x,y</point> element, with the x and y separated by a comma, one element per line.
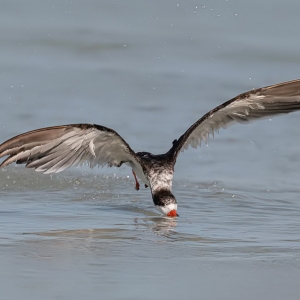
<point>149,69</point>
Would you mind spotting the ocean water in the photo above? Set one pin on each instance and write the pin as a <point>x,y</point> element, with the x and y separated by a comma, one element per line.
<point>149,70</point>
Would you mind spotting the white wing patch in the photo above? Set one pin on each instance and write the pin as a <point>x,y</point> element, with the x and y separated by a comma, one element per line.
<point>92,147</point>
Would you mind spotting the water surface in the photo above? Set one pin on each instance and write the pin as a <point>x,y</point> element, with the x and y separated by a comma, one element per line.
<point>149,70</point>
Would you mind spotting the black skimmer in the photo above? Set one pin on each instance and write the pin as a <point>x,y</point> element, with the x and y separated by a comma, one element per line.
<point>54,149</point>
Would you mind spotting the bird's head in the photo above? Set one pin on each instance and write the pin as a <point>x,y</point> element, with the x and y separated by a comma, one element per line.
<point>165,202</point>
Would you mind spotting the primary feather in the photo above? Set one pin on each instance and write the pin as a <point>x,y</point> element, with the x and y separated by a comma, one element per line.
<point>256,104</point>
<point>54,149</point>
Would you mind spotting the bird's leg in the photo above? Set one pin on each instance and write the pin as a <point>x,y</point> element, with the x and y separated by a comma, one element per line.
<point>137,185</point>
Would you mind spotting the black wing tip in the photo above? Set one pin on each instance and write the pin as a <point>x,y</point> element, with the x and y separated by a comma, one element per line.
<point>86,126</point>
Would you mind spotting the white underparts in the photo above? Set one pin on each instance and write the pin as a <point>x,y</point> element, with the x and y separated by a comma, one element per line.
<point>161,180</point>
<point>167,208</point>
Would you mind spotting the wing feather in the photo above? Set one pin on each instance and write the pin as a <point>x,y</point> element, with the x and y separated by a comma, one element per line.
<point>264,102</point>
<point>54,149</point>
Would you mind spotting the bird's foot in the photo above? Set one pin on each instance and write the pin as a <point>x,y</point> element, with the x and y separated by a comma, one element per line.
<point>137,185</point>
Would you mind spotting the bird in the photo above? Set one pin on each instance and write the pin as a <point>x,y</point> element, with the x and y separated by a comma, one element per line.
<point>54,149</point>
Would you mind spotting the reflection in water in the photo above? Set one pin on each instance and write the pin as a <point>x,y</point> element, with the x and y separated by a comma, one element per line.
<point>106,233</point>
<point>144,234</point>
<point>160,226</point>
<point>164,226</point>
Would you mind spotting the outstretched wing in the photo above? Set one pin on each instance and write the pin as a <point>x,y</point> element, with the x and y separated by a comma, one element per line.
<point>260,103</point>
<point>54,149</point>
